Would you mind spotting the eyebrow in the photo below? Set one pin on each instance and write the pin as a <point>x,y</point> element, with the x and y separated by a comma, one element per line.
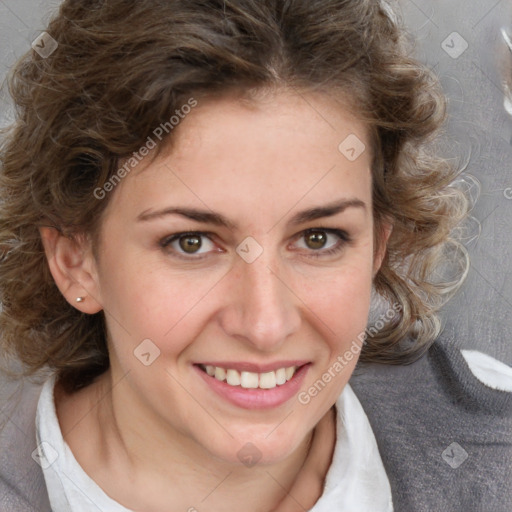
<point>217,219</point>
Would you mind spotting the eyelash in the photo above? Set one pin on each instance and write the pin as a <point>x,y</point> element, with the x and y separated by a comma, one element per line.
<point>319,253</point>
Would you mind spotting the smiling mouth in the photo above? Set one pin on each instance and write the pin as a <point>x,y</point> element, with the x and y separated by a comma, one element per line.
<point>250,380</point>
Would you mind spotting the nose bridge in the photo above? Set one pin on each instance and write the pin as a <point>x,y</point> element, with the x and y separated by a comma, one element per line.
<point>265,313</point>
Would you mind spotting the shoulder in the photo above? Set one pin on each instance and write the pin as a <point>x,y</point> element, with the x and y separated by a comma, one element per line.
<point>450,375</point>
<point>444,427</point>
<point>22,485</point>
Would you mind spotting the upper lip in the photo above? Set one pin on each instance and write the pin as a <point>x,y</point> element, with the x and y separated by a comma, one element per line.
<point>243,366</point>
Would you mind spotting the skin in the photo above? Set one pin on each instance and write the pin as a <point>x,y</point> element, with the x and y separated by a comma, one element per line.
<point>160,428</point>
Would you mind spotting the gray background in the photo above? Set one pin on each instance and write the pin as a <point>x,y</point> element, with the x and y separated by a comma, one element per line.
<point>479,133</point>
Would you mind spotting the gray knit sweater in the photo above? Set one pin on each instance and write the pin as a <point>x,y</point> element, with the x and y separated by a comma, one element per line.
<point>445,438</point>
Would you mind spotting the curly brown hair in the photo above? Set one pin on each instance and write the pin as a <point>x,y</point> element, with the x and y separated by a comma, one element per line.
<point>121,68</point>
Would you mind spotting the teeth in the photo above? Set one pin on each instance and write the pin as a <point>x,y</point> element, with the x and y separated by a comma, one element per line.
<point>251,380</point>
<point>281,376</point>
<point>233,378</point>
<point>268,380</point>
<point>220,373</point>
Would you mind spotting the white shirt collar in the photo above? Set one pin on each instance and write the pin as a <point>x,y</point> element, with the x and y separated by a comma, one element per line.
<point>356,479</point>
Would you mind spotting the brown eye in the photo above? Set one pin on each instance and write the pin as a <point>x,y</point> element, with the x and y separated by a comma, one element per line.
<point>315,239</point>
<point>190,243</point>
<point>323,242</point>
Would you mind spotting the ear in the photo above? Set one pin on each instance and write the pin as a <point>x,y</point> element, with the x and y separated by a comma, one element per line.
<point>386,228</point>
<point>73,268</point>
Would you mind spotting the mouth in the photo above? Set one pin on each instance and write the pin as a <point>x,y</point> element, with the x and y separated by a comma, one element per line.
<point>250,386</point>
<point>251,380</point>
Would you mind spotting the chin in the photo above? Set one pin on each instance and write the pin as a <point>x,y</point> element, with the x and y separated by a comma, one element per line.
<point>266,446</point>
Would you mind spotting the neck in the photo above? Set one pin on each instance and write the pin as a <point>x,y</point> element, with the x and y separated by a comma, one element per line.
<point>172,467</point>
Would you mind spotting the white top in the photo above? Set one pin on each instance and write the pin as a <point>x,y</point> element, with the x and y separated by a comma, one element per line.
<point>490,371</point>
<point>356,480</point>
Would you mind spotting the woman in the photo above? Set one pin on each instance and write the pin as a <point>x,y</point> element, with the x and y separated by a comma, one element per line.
<point>200,201</point>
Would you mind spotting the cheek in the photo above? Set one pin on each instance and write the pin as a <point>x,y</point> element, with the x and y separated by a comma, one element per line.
<point>344,307</point>
<point>150,298</point>
<point>341,297</point>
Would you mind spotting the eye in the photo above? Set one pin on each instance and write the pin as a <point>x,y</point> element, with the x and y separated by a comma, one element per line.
<point>318,242</point>
<point>324,242</point>
<point>188,244</point>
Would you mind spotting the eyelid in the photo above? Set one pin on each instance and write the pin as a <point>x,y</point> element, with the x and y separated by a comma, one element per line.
<point>333,231</point>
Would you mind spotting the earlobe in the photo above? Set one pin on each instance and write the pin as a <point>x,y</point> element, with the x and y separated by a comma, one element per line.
<point>72,266</point>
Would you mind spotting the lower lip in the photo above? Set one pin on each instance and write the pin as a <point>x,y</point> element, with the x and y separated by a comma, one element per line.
<point>256,398</point>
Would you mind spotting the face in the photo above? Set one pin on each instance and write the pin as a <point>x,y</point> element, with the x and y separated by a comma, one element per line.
<point>244,257</point>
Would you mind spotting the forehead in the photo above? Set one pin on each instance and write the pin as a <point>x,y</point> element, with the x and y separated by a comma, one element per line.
<point>317,121</point>
<point>278,150</point>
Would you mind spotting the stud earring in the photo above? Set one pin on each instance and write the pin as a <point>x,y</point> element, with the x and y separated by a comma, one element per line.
<point>80,299</point>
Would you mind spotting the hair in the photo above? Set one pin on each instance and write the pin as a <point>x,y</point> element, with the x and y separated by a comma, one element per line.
<point>122,68</point>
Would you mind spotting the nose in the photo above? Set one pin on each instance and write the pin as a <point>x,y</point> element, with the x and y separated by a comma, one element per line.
<point>261,308</point>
